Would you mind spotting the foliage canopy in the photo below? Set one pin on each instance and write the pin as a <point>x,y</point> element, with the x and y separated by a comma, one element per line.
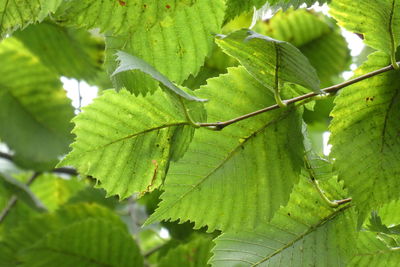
<point>212,133</point>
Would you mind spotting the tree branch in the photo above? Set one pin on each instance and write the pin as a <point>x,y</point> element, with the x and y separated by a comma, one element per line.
<point>13,200</point>
<point>69,171</point>
<point>328,90</point>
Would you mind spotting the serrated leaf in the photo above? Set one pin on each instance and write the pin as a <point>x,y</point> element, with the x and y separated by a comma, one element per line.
<point>315,36</point>
<point>285,4</point>
<point>76,234</point>
<point>119,16</point>
<point>129,62</point>
<point>373,252</point>
<point>173,50</point>
<point>236,7</point>
<point>304,233</point>
<point>93,242</point>
<point>365,120</point>
<point>219,179</point>
<point>376,225</point>
<point>125,141</point>
<point>67,51</point>
<point>17,14</point>
<point>268,60</point>
<point>35,113</point>
<point>377,20</point>
<point>31,231</point>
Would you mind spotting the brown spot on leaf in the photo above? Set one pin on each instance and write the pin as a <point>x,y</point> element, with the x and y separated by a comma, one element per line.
<point>122,3</point>
<point>168,6</point>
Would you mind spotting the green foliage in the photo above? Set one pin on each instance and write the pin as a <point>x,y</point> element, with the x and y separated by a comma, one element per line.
<point>192,158</point>
<point>381,29</point>
<point>365,114</point>
<point>34,110</point>
<point>221,160</point>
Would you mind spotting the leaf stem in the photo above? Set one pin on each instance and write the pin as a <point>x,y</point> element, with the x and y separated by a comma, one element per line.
<point>328,90</point>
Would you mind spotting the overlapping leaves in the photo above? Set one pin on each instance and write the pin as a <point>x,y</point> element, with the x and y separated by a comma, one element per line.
<point>304,233</point>
<point>168,42</point>
<point>365,120</point>
<point>126,142</point>
<point>241,174</point>
<point>270,61</point>
<point>75,235</point>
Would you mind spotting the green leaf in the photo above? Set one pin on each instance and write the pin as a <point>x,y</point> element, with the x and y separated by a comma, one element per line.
<point>236,7</point>
<point>373,252</point>
<point>173,50</point>
<point>365,120</point>
<point>304,233</point>
<point>214,177</point>
<point>69,52</point>
<point>35,113</point>
<point>315,36</point>
<point>17,14</point>
<point>285,4</point>
<point>269,61</point>
<point>125,141</point>
<point>119,16</point>
<point>22,191</point>
<point>193,254</point>
<point>93,242</point>
<point>74,235</point>
<point>55,191</point>
<point>376,225</point>
<point>377,20</point>
<point>27,233</point>
<point>129,62</point>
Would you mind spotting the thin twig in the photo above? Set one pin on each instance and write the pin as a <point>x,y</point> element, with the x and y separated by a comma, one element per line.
<point>13,200</point>
<point>328,90</point>
<point>69,171</point>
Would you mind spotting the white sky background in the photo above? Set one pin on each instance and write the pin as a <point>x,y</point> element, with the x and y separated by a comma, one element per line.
<point>88,93</point>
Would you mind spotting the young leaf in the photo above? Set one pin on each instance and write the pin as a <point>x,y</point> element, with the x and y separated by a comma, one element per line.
<point>304,233</point>
<point>174,50</point>
<point>129,62</point>
<point>35,113</point>
<point>125,141</point>
<point>269,61</point>
<point>249,167</point>
<point>365,121</point>
<point>377,20</point>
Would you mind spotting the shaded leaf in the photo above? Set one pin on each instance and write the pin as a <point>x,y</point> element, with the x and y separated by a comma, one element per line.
<point>69,52</point>
<point>35,113</point>
<point>365,120</point>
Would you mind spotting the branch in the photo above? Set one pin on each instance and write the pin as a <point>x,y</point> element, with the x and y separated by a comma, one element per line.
<point>13,200</point>
<point>69,171</point>
<point>328,90</point>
